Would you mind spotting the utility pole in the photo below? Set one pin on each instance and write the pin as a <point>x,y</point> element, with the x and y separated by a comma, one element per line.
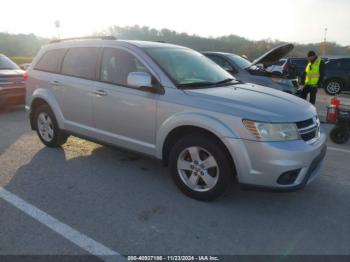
<point>325,41</point>
<point>58,26</point>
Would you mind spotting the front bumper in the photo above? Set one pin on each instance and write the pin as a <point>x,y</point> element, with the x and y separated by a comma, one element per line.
<point>12,95</point>
<point>262,163</point>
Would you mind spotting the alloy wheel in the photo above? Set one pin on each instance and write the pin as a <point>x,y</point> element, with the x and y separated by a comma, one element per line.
<point>333,87</point>
<point>198,169</point>
<point>45,127</point>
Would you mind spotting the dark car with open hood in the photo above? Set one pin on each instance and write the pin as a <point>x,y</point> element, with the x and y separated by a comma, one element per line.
<point>12,86</point>
<point>255,72</point>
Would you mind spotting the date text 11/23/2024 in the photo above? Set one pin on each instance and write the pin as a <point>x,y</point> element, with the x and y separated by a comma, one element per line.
<point>173,258</point>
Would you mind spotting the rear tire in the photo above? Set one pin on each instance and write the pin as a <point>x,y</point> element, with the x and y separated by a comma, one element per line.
<point>333,87</point>
<point>47,128</point>
<point>339,135</point>
<point>201,167</point>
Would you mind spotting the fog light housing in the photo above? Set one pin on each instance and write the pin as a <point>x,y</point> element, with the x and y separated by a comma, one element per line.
<point>289,177</point>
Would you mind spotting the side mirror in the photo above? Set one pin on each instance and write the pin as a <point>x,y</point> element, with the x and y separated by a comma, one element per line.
<point>140,80</point>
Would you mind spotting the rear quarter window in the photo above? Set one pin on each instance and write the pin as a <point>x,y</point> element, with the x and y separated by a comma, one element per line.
<point>81,62</point>
<point>50,61</point>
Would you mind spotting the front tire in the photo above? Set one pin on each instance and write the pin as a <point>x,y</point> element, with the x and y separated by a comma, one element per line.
<point>333,87</point>
<point>339,135</point>
<point>47,128</point>
<point>200,167</point>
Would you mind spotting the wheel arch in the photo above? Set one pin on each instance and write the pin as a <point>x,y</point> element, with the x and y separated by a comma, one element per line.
<point>182,131</point>
<point>180,126</point>
<point>337,78</point>
<point>42,96</point>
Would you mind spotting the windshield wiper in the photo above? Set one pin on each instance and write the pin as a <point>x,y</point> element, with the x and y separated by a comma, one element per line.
<point>205,83</point>
<point>196,84</point>
<point>224,81</point>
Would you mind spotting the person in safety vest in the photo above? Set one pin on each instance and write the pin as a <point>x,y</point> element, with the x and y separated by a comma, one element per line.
<point>313,76</point>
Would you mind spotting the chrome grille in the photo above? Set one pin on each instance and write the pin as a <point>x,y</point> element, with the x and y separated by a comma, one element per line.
<point>305,123</point>
<point>309,129</point>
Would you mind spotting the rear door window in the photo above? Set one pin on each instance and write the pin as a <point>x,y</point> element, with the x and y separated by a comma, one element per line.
<point>51,61</point>
<point>81,62</point>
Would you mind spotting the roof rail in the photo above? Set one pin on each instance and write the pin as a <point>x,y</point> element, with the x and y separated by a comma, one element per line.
<point>107,37</point>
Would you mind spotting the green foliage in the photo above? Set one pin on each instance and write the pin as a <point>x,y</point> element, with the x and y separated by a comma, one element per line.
<point>20,44</point>
<point>231,43</point>
<point>21,59</point>
<point>28,45</point>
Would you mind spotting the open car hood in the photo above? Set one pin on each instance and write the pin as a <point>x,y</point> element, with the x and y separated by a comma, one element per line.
<point>274,54</point>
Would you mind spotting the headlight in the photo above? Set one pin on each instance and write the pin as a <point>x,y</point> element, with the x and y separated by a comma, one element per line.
<point>272,131</point>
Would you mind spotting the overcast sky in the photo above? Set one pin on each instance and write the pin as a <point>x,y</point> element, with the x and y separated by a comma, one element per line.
<point>300,21</point>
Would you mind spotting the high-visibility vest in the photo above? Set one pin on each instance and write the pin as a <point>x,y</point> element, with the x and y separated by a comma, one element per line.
<point>312,72</point>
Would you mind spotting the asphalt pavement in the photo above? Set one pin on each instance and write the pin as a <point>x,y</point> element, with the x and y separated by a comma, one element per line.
<point>84,195</point>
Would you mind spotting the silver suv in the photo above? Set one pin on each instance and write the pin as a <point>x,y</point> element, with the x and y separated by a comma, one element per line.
<point>174,104</point>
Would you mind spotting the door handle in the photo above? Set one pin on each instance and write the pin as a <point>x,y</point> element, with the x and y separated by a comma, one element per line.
<point>100,92</point>
<point>56,83</point>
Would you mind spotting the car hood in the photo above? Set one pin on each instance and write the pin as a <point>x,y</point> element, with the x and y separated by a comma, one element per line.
<point>11,72</point>
<point>255,102</point>
<point>274,54</point>
<point>259,77</point>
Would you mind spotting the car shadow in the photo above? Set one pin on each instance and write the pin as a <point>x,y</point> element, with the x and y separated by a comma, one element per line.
<point>13,124</point>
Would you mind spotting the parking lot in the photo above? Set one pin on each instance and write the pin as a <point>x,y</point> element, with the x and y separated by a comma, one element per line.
<point>121,202</point>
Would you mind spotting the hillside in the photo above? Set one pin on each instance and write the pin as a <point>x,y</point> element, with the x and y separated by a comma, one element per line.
<point>27,45</point>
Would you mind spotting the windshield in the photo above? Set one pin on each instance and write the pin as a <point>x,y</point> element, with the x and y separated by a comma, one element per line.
<point>187,67</point>
<point>6,63</point>
<point>240,61</point>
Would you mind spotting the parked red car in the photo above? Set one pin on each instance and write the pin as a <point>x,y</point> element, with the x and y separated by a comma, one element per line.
<point>12,86</point>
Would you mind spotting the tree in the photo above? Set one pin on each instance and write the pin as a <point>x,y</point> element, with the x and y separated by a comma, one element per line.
<point>28,45</point>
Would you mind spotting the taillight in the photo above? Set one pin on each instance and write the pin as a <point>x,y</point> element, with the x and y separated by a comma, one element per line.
<point>25,76</point>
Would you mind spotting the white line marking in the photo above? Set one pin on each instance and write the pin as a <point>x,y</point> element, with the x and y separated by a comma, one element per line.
<point>338,149</point>
<point>62,229</point>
